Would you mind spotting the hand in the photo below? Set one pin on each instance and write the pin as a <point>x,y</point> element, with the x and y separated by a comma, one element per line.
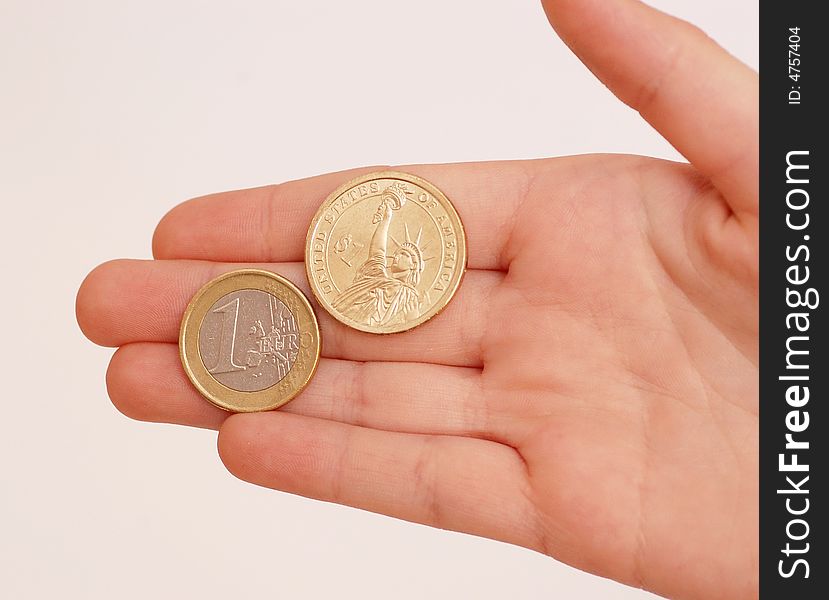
<point>590,393</point>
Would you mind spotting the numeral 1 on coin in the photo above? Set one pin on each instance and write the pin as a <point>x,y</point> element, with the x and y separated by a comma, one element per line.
<point>227,343</point>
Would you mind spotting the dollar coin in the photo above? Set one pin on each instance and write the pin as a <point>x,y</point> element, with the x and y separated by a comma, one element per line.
<point>249,341</point>
<point>385,252</point>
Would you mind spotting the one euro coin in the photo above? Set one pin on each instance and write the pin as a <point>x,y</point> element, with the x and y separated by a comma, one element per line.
<point>249,341</point>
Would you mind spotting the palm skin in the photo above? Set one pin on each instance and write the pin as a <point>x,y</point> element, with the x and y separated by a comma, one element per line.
<point>591,393</point>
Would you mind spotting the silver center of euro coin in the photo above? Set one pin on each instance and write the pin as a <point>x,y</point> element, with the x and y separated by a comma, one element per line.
<point>249,340</point>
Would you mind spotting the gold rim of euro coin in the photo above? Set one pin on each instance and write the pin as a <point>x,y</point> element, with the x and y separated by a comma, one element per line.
<point>385,252</point>
<point>249,341</point>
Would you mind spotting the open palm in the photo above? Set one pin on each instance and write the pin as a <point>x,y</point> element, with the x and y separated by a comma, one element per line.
<point>590,393</point>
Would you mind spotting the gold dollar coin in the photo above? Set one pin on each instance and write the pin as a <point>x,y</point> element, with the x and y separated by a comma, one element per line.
<point>385,252</point>
<point>249,341</point>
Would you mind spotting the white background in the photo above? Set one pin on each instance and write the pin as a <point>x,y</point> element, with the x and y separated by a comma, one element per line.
<point>110,113</point>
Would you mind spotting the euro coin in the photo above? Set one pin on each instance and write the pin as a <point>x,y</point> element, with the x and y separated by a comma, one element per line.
<point>249,341</point>
<point>385,252</point>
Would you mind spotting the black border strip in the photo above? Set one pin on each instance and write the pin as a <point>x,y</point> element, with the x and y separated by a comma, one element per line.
<point>793,329</point>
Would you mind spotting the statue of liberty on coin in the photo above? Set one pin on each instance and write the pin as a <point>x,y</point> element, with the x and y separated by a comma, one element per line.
<point>384,290</point>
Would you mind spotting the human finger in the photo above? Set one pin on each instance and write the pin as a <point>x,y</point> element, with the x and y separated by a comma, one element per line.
<point>270,223</point>
<point>146,382</point>
<point>126,301</point>
<point>464,484</point>
<point>702,99</point>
